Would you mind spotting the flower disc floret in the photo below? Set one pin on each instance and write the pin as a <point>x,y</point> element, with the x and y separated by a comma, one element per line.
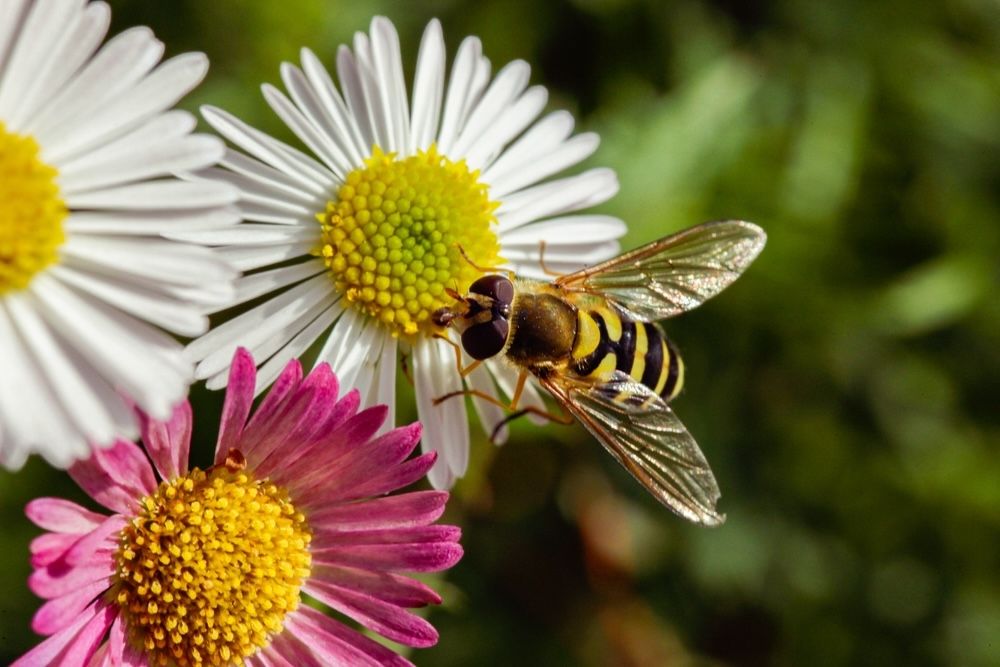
<point>31,212</point>
<point>394,236</point>
<point>210,567</point>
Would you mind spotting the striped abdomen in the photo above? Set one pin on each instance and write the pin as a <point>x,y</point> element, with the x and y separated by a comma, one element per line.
<point>608,340</point>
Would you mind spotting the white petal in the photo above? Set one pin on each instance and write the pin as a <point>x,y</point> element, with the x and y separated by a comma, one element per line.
<point>246,258</point>
<point>45,30</point>
<point>264,195</point>
<point>151,161</point>
<point>336,142</point>
<point>156,195</point>
<point>446,426</point>
<point>309,173</point>
<point>31,416</point>
<point>157,259</point>
<point>354,97</point>
<point>137,299</point>
<point>150,223</point>
<point>86,33</point>
<point>120,63</point>
<point>273,335</point>
<point>514,120</point>
<point>334,108</point>
<point>540,140</point>
<point>262,174</point>
<point>314,137</point>
<point>556,197</point>
<point>388,76</point>
<point>428,88</point>
<point>250,234</point>
<point>228,336</point>
<point>267,373</point>
<point>86,398</point>
<point>569,153</point>
<point>509,83</point>
<point>461,93</point>
<point>163,88</point>
<point>12,15</point>
<point>258,284</point>
<point>350,344</point>
<point>568,230</point>
<point>132,356</point>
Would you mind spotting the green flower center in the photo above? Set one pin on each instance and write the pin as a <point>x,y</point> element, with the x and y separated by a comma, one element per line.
<point>394,236</point>
<point>31,212</point>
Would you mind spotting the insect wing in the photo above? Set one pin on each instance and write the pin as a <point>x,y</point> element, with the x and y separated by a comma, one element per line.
<point>641,431</point>
<point>674,274</point>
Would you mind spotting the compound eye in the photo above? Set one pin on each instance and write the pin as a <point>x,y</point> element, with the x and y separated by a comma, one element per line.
<point>485,340</point>
<point>498,288</point>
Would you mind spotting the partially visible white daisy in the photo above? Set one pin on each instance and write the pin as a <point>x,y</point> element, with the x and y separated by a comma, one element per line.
<point>88,150</point>
<point>359,241</point>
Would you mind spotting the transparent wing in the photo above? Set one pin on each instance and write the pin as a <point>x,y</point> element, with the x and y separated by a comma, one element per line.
<point>674,274</point>
<point>643,434</point>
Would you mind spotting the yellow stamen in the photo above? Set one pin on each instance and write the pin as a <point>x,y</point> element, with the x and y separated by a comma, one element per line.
<point>210,567</point>
<point>31,212</point>
<point>391,237</point>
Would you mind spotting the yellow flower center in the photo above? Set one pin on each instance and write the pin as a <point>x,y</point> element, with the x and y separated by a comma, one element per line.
<point>210,567</point>
<point>31,212</point>
<point>394,235</point>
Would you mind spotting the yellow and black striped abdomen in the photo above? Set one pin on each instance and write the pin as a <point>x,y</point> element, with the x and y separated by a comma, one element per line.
<point>607,340</point>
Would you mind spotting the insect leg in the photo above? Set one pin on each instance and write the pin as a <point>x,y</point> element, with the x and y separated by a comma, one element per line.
<point>541,261</point>
<point>462,372</point>
<point>483,269</point>
<point>404,365</point>
<point>561,419</point>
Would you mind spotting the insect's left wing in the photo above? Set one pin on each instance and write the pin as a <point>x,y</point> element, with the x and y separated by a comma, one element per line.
<point>676,273</point>
<point>641,431</point>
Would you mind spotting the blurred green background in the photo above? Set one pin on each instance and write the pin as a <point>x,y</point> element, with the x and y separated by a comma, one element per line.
<point>845,390</point>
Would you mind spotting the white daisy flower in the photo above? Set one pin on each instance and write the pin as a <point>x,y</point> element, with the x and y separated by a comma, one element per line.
<point>87,278</point>
<point>359,241</point>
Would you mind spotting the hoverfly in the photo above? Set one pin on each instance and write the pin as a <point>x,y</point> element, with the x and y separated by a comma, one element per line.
<point>591,340</point>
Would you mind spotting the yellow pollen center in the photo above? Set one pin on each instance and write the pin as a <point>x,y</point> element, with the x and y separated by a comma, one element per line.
<point>31,212</point>
<point>394,235</point>
<point>210,567</point>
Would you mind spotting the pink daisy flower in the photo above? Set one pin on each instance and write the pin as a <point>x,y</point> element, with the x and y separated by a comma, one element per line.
<point>208,567</point>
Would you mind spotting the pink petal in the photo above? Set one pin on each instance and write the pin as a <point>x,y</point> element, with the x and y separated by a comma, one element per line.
<point>389,479</point>
<point>421,557</point>
<point>407,509</point>
<point>120,649</point>
<point>413,535</point>
<point>74,644</point>
<point>306,413</point>
<point>60,578</point>
<point>388,620</point>
<point>283,387</point>
<point>336,644</point>
<point>169,442</point>
<point>94,544</point>
<point>101,658</point>
<point>258,443</point>
<point>116,477</point>
<point>392,588</point>
<point>347,445</point>
<point>62,516</point>
<point>358,464</point>
<point>57,613</point>
<point>239,400</point>
<point>50,547</point>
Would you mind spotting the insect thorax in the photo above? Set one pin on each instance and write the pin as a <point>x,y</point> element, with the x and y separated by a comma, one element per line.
<point>543,328</point>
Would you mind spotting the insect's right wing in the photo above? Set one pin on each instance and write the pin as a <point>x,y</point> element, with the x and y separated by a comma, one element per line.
<point>641,431</point>
<point>674,274</point>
